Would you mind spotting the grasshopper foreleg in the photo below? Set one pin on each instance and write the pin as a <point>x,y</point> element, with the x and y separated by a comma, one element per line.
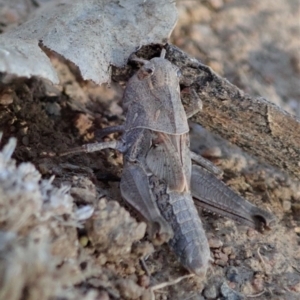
<point>118,145</point>
<point>108,130</point>
<point>206,164</point>
<point>194,103</point>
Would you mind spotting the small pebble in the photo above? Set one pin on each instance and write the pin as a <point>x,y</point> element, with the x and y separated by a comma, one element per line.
<point>232,285</point>
<point>251,232</point>
<point>258,282</point>
<point>295,288</point>
<point>51,90</point>
<point>247,253</point>
<point>222,256</point>
<point>210,292</point>
<point>220,262</point>
<point>237,262</point>
<point>247,288</point>
<point>6,99</point>
<point>232,275</point>
<point>83,241</point>
<point>53,108</point>
<point>23,131</point>
<point>216,4</point>
<point>43,168</point>
<point>103,296</point>
<point>129,289</point>
<point>143,249</point>
<point>130,269</point>
<point>144,281</point>
<point>297,229</point>
<point>95,282</point>
<point>102,259</point>
<point>215,242</point>
<point>230,294</point>
<point>286,205</point>
<point>227,250</point>
<point>296,208</point>
<point>25,140</point>
<point>232,256</point>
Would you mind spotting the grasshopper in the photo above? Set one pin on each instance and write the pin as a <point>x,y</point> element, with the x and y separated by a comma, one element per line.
<point>158,179</point>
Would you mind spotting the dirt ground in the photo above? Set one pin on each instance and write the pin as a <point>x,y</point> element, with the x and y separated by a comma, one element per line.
<point>72,236</point>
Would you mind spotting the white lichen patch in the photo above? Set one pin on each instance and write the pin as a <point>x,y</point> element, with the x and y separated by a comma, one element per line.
<point>42,251</point>
<point>112,230</point>
<point>27,267</point>
<point>24,196</point>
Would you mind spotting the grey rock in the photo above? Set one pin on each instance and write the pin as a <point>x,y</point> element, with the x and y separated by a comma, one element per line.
<point>210,292</point>
<point>230,294</point>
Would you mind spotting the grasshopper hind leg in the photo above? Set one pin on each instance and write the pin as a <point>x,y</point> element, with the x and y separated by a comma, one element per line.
<point>135,191</point>
<point>211,193</point>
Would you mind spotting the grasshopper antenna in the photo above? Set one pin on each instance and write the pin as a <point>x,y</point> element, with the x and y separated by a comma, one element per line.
<point>93,148</point>
<point>163,53</point>
<point>133,57</point>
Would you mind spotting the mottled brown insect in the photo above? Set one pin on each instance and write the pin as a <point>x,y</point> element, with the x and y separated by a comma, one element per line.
<point>158,178</point>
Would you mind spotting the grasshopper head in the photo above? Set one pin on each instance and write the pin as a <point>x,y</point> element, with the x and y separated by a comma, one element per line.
<point>159,72</point>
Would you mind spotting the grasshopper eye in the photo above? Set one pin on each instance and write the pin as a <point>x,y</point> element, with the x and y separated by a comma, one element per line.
<point>178,72</point>
<point>149,71</point>
<point>145,72</point>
